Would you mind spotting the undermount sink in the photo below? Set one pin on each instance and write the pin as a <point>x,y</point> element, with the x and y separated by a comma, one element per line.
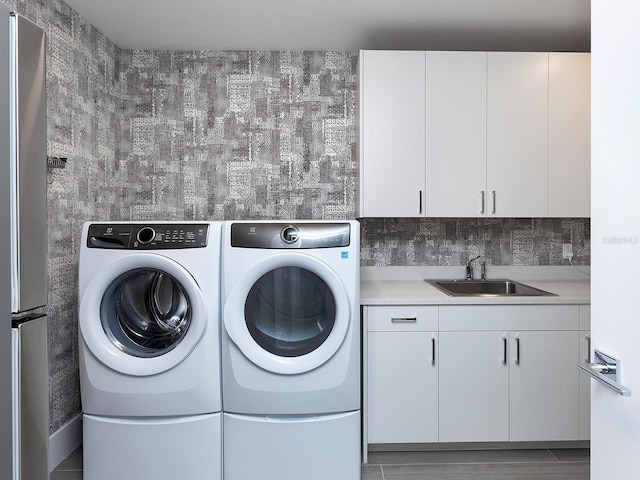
<point>486,288</point>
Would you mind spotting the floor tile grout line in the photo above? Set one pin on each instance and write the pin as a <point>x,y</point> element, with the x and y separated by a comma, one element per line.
<point>426,464</point>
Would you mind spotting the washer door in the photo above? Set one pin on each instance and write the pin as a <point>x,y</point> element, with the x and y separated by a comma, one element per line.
<point>142,314</point>
<point>289,314</point>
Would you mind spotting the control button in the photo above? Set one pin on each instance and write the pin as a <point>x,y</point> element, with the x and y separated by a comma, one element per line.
<point>146,235</point>
<point>290,234</point>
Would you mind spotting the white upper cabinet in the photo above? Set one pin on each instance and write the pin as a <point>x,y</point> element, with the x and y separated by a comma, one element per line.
<point>517,133</point>
<point>392,133</point>
<point>474,134</point>
<point>569,134</point>
<point>456,93</point>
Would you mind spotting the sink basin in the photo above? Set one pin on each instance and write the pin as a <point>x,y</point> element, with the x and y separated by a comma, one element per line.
<point>486,288</point>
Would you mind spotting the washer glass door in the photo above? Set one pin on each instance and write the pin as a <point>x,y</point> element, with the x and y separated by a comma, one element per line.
<point>290,311</point>
<point>142,314</point>
<point>145,312</point>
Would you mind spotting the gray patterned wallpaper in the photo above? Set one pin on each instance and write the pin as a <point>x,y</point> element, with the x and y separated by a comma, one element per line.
<point>451,241</point>
<point>222,135</point>
<point>239,135</point>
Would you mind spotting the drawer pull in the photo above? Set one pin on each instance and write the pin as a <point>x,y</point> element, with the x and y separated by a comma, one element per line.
<point>404,319</point>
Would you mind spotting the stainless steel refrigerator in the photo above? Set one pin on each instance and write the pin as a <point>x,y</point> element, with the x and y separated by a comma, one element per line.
<point>24,387</point>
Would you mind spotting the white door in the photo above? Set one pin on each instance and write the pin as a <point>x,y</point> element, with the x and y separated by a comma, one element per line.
<point>517,133</point>
<point>392,148</point>
<point>476,364</point>
<point>569,134</point>
<point>456,134</point>
<point>402,387</point>
<point>615,154</point>
<point>543,373</point>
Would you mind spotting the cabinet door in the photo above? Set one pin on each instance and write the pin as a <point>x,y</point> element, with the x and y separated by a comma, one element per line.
<point>569,134</point>
<point>474,387</point>
<point>402,392</point>
<point>392,133</point>
<point>456,134</point>
<point>517,133</point>
<point>544,386</point>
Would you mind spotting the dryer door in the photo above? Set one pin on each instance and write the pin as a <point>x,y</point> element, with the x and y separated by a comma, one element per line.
<point>289,314</point>
<point>142,315</point>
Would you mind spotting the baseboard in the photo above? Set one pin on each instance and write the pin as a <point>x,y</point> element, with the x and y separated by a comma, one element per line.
<point>65,441</point>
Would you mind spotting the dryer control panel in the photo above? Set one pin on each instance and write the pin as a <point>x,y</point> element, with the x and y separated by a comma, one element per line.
<point>147,236</point>
<point>289,235</point>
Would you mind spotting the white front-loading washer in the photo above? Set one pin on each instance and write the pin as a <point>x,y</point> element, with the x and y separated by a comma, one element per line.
<point>149,324</point>
<point>291,349</point>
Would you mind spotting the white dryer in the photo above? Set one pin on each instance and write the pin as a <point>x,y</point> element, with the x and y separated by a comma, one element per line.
<point>149,324</point>
<point>291,349</point>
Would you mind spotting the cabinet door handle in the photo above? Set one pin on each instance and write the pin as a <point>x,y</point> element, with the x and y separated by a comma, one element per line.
<point>517,351</point>
<point>504,350</point>
<point>493,196</point>
<point>420,202</point>
<point>588,359</point>
<point>404,319</point>
<point>433,350</point>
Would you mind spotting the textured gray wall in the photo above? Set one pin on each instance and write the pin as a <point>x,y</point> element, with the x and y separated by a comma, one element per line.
<point>222,135</point>
<point>451,241</point>
<point>239,135</point>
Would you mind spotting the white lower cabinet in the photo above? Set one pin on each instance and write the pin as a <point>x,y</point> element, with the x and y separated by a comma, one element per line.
<point>474,387</point>
<point>543,386</point>
<point>467,373</point>
<point>402,375</point>
<point>586,356</point>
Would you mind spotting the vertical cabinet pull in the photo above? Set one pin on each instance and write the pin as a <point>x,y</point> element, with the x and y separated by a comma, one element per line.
<point>517,351</point>
<point>420,202</point>
<point>493,197</point>
<point>504,350</point>
<point>433,350</point>
<point>482,202</point>
<point>588,359</point>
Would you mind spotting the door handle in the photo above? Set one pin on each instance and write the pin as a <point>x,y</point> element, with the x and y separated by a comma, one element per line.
<point>433,350</point>
<point>504,350</point>
<point>606,371</point>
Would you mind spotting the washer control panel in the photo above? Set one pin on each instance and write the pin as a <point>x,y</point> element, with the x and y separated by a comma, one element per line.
<point>287,235</point>
<point>147,236</point>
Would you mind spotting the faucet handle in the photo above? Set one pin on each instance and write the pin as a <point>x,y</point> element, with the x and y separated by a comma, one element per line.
<point>470,267</point>
<point>473,259</point>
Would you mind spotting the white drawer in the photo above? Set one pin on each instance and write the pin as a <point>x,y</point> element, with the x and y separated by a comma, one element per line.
<point>509,317</point>
<point>401,318</point>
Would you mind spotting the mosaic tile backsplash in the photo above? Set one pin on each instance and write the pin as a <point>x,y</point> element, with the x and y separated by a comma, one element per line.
<point>223,135</point>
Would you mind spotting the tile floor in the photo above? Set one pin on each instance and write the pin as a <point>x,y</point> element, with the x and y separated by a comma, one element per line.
<point>557,464</point>
<point>554,464</point>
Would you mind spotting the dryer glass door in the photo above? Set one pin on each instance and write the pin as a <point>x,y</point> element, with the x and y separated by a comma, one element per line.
<point>290,311</point>
<point>145,312</point>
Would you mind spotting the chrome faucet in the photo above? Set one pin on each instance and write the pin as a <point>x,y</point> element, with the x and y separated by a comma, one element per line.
<point>470,267</point>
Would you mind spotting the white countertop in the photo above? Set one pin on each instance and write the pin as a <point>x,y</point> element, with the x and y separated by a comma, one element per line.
<point>406,286</point>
